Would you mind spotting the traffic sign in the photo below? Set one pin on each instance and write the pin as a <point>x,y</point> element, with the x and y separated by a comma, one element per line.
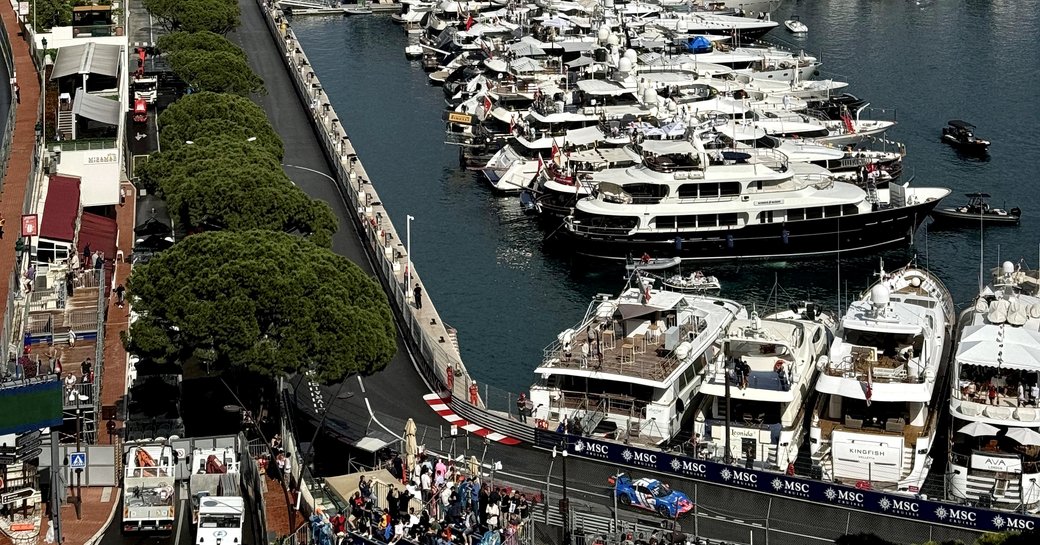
<point>78,460</point>
<point>27,446</point>
<point>7,459</point>
<point>29,454</point>
<point>10,497</point>
<point>27,438</point>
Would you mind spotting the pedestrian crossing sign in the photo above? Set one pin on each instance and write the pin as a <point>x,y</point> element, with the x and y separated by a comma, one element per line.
<point>78,460</point>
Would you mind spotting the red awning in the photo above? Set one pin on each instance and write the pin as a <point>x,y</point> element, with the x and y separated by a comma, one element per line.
<point>61,208</point>
<point>100,233</point>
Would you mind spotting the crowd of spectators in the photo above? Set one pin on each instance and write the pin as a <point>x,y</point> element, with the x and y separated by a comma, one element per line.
<point>440,504</point>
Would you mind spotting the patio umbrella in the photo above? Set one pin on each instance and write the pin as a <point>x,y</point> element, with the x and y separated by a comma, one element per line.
<point>411,449</point>
<point>979,429</point>
<point>1024,436</point>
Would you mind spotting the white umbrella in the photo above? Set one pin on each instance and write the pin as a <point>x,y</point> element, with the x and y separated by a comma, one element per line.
<point>1024,436</point>
<point>979,429</point>
<point>411,449</point>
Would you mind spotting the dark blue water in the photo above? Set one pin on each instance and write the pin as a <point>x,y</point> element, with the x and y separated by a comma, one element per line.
<point>486,268</point>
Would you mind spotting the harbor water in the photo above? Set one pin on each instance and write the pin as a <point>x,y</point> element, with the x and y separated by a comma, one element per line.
<point>486,266</point>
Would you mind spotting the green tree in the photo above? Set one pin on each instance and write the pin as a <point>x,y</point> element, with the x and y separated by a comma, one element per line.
<point>217,71</point>
<point>225,183</point>
<point>200,115</point>
<point>50,13</point>
<point>268,302</point>
<point>205,40</point>
<point>219,16</point>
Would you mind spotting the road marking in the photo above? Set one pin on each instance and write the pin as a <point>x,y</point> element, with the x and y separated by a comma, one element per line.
<point>361,383</point>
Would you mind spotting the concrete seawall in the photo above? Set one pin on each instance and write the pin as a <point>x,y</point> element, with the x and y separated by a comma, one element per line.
<point>436,356</point>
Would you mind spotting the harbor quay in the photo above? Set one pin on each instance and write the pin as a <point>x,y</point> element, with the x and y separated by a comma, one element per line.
<point>452,393</point>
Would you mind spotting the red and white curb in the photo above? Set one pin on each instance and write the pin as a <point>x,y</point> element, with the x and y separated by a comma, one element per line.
<point>440,406</point>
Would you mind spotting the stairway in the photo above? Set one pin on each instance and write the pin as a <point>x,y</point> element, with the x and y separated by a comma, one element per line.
<point>822,458</point>
<point>849,127</point>
<point>65,121</point>
<point>908,462</point>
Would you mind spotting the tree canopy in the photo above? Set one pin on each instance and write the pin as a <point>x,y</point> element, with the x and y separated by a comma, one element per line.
<point>217,71</point>
<point>219,16</point>
<point>226,183</point>
<point>268,302</point>
<point>176,42</point>
<point>197,116</point>
<point>51,13</point>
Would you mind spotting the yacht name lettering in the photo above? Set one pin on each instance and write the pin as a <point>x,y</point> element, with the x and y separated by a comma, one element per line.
<point>737,432</point>
<point>867,452</point>
<point>768,202</point>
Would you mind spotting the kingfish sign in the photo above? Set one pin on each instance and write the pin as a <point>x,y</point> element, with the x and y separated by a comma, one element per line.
<point>846,497</point>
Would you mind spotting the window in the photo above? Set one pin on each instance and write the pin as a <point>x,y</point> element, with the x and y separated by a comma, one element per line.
<point>832,211</point>
<point>708,220</point>
<point>796,214</point>
<point>709,190</point>
<point>665,222</point>
<point>765,217</point>
<point>685,222</point>
<point>727,220</point>
<point>849,210</point>
<point>688,191</point>
<point>729,189</point>
<point>814,213</point>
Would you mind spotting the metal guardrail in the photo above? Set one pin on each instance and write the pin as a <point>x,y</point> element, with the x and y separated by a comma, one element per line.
<point>83,144</point>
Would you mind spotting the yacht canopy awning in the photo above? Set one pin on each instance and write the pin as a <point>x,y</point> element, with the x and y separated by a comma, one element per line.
<point>583,136</point>
<point>632,303</point>
<point>667,147</point>
<point>100,109</point>
<point>601,87</point>
<point>88,58</point>
<point>1006,346</point>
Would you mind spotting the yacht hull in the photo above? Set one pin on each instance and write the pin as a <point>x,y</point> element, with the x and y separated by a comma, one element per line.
<point>807,239</point>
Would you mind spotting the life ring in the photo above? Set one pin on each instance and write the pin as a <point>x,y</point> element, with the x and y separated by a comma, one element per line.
<point>778,366</point>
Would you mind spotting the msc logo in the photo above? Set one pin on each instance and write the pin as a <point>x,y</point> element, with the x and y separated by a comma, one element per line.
<point>955,515</point>
<point>688,467</point>
<point>905,506</point>
<point>844,496</point>
<point>786,486</point>
<point>590,448</point>
<point>644,457</point>
<point>1012,523</point>
<point>738,476</point>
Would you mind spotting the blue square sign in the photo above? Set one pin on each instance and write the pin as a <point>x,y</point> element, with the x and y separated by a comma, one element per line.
<point>78,460</point>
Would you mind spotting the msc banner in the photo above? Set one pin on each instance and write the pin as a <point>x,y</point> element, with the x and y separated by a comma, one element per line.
<point>776,484</point>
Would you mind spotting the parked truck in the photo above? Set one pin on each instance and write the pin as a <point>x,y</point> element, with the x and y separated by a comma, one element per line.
<point>149,502</point>
<point>218,510</point>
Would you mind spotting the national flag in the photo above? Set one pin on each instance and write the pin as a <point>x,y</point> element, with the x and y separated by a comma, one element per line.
<point>512,124</point>
<point>469,21</point>
<point>557,157</point>
<point>487,104</point>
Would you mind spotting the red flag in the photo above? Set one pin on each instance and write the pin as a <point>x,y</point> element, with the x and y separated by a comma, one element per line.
<point>556,155</point>
<point>870,383</point>
<point>512,125</point>
<point>469,21</point>
<point>487,104</point>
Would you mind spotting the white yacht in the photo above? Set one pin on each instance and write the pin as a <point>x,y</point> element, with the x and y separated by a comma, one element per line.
<point>881,391</point>
<point>756,390</point>
<point>995,453</point>
<point>630,368</point>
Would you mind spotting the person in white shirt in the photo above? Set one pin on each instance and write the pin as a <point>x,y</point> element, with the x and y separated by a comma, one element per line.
<point>398,532</point>
<point>492,515</point>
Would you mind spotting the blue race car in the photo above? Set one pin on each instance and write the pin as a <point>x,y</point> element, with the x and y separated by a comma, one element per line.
<point>652,495</point>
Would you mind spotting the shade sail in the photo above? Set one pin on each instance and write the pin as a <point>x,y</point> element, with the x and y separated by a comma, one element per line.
<point>89,58</point>
<point>100,109</point>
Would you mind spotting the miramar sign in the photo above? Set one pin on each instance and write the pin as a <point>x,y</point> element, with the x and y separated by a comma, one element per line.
<point>824,493</point>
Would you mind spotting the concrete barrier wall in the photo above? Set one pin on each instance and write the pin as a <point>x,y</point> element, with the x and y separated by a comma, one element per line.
<point>435,355</point>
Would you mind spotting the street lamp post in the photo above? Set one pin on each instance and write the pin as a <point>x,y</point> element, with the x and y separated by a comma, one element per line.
<point>565,504</point>
<point>43,80</point>
<point>79,470</point>
<point>408,250</point>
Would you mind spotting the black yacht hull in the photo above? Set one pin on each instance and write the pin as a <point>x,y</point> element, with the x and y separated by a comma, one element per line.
<point>806,239</point>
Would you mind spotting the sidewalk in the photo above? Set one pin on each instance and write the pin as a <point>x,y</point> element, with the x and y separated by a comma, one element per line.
<point>118,319</point>
<point>23,147</point>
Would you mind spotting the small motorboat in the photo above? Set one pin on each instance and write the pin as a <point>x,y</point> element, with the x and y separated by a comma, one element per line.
<point>413,51</point>
<point>647,263</point>
<point>693,282</point>
<point>978,210</point>
<point>361,8</point>
<point>528,202</point>
<point>795,25</point>
<point>961,135</point>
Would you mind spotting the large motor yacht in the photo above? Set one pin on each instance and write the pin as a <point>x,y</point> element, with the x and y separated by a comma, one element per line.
<point>995,454</point>
<point>755,392</point>
<point>881,386</point>
<point>683,201</point>
<point>631,367</point>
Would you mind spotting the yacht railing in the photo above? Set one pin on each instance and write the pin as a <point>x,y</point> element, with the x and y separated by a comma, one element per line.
<point>580,228</point>
<point>853,368</point>
<point>614,404</point>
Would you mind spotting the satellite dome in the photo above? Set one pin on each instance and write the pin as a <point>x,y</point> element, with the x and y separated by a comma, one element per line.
<point>625,65</point>
<point>631,55</point>
<point>682,351</point>
<point>649,96</point>
<point>879,295</point>
<point>603,34</point>
<point>613,39</point>
<point>915,281</point>
<point>1008,267</point>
